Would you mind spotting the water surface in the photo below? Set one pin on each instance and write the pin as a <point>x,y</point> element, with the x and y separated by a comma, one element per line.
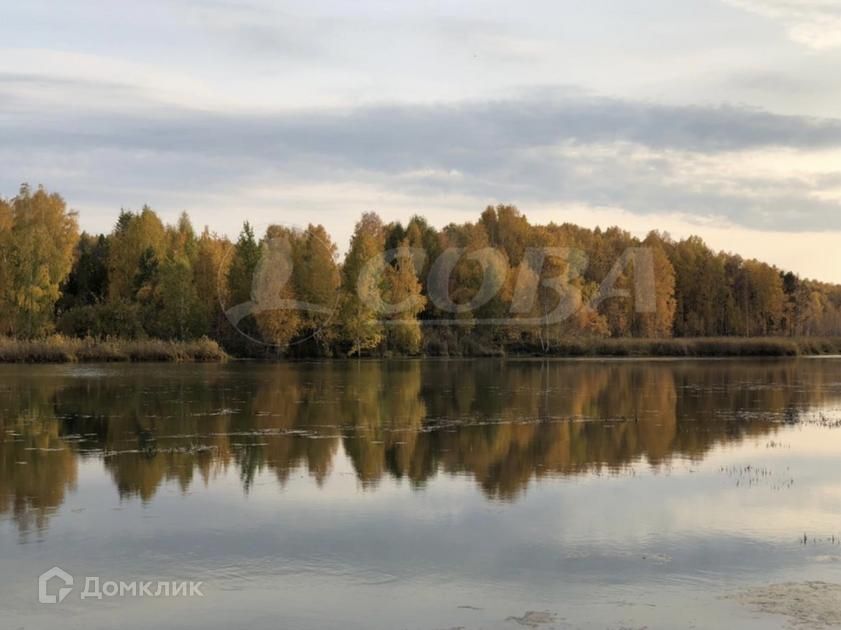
<point>420,494</point>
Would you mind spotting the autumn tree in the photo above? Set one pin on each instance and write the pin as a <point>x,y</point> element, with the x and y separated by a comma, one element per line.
<point>7,308</point>
<point>660,322</point>
<point>405,300</point>
<point>181,239</point>
<point>701,289</point>
<point>42,240</point>
<point>359,318</point>
<point>616,273</point>
<point>764,300</point>
<point>466,285</point>
<point>317,279</point>
<point>508,229</point>
<point>138,239</point>
<point>175,310</point>
<point>551,298</point>
<point>273,292</point>
<point>209,273</point>
<point>422,236</point>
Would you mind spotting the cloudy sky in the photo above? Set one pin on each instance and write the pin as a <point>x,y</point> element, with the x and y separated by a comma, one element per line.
<point>715,117</point>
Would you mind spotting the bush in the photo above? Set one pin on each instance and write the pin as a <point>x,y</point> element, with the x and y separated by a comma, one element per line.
<point>108,319</point>
<point>60,349</point>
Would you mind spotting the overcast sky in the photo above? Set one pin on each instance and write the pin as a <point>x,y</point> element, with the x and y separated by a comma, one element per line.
<point>715,117</point>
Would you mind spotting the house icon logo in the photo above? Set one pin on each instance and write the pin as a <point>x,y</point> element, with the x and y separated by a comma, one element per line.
<point>56,575</point>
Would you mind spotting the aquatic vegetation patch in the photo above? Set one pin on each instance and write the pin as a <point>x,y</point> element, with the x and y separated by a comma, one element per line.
<point>805,604</point>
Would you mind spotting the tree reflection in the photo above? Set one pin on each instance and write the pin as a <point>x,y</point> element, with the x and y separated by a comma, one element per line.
<point>502,423</point>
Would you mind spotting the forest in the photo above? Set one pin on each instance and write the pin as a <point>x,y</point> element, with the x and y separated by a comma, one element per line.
<point>147,280</point>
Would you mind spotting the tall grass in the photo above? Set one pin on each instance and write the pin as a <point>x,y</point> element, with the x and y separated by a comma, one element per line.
<point>60,349</point>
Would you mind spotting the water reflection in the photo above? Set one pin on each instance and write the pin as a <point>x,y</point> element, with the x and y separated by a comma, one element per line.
<point>503,423</point>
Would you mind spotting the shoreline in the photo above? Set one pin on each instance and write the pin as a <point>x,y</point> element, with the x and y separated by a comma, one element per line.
<point>59,349</point>
<point>694,347</point>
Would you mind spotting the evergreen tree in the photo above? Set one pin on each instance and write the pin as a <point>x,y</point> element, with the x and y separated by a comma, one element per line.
<point>178,312</point>
<point>240,279</point>
<point>136,240</point>
<point>87,283</point>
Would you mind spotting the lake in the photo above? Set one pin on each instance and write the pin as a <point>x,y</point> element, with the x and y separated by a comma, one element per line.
<point>423,494</point>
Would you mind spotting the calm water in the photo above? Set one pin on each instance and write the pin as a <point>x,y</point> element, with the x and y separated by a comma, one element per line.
<point>420,494</point>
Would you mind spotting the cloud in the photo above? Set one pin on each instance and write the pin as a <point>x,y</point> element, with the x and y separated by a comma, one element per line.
<point>58,81</point>
<point>405,136</point>
<point>257,29</point>
<point>744,166</point>
<point>813,23</point>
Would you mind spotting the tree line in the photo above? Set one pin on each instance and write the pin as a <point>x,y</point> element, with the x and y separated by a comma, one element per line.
<point>147,279</point>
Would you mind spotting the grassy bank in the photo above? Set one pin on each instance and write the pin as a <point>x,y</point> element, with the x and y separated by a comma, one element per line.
<point>59,349</point>
<point>696,347</point>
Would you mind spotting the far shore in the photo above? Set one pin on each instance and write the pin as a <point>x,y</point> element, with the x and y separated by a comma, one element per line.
<point>59,349</point>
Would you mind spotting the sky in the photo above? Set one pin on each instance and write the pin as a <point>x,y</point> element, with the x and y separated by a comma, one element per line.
<point>712,117</point>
